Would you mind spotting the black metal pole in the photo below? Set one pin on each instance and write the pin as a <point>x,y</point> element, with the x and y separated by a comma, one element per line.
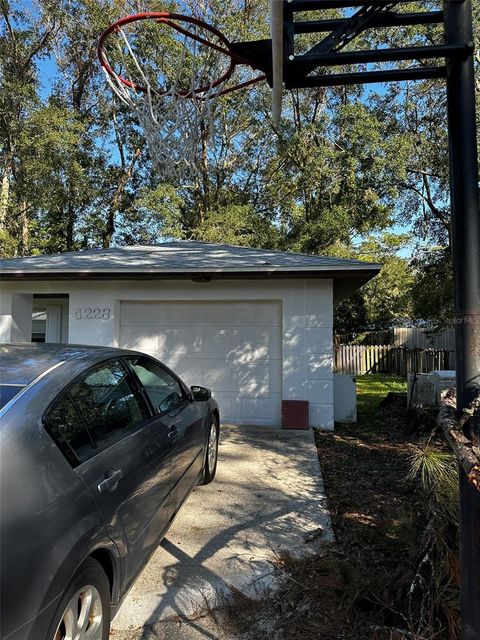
<point>381,20</point>
<point>365,77</point>
<point>466,261</point>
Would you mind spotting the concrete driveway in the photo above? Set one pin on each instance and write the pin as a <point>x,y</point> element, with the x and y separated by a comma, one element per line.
<point>268,497</point>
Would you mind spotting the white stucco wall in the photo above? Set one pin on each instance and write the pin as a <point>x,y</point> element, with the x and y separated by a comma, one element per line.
<point>15,315</point>
<point>307,318</point>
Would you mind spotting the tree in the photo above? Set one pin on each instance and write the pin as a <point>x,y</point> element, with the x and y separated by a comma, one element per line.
<point>327,179</point>
<point>69,157</point>
<point>107,150</point>
<point>318,179</point>
<point>415,113</point>
<point>344,166</point>
<point>24,39</point>
<point>386,300</point>
<point>432,289</point>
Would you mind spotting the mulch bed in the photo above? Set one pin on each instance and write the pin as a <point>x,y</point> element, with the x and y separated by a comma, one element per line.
<point>365,475</point>
<point>354,589</point>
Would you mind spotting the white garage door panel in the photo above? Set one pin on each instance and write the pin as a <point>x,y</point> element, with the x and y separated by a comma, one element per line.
<point>189,369</point>
<point>141,312</point>
<point>218,342</point>
<point>223,314</point>
<point>260,313</point>
<point>254,381</point>
<point>174,343</point>
<point>182,313</point>
<point>230,407</point>
<point>219,376</point>
<point>234,348</point>
<point>140,338</point>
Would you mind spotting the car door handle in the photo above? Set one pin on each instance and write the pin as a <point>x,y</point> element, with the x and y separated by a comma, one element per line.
<point>110,483</point>
<point>173,433</point>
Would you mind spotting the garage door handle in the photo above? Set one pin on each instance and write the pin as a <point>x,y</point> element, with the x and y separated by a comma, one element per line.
<point>110,483</point>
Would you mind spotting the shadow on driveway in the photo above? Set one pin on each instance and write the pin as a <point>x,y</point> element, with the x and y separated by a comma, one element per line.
<point>267,498</point>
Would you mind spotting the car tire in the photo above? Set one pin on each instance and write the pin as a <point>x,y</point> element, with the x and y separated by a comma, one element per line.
<point>211,453</point>
<point>84,610</point>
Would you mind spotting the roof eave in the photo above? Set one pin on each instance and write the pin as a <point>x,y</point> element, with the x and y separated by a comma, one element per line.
<point>364,273</point>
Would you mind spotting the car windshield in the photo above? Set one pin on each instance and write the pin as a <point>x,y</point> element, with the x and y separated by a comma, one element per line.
<point>9,391</point>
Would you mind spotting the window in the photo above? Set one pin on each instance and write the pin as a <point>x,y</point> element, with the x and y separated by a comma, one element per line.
<point>163,390</point>
<point>109,407</point>
<point>66,427</point>
<point>39,325</point>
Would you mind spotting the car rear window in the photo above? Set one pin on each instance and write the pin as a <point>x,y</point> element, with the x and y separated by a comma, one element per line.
<point>9,391</point>
<point>98,410</point>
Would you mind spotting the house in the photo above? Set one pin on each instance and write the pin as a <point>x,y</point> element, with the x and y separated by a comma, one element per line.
<point>253,325</point>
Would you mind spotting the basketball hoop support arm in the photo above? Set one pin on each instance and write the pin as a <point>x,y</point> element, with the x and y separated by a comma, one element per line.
<point>297,69</point>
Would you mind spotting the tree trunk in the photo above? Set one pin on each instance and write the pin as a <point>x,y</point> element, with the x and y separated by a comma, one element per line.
<point>204,171</point>
<point>69,227</point>
<point>24,230</point>
<point>117,197</point>
<point>4,195</point>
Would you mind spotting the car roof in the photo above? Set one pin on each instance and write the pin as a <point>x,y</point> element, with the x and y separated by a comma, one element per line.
<point>23,362</point>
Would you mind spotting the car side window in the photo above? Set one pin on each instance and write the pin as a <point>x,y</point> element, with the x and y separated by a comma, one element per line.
<point>163,390</point>
<point>109,407</point>
<point>67,429</point>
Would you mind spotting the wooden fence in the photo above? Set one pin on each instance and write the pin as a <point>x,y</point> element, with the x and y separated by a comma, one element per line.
<point>414,338</point>
<point>361,359</point>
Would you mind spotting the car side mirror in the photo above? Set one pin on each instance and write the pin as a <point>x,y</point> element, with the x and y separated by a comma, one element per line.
<point>201,394</point>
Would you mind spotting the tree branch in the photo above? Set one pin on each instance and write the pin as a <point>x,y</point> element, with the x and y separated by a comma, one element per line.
<point>466,452</point>
<point>110,225</point>
<point>424,173</point>
<point>39,46</point>
<point>442,217</point>
<point>11,31</point>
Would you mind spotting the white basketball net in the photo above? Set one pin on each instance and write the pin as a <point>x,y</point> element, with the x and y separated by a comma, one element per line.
<point>176,120</point>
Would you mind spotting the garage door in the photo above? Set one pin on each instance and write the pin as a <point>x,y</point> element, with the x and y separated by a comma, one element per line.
<point>234,348</point>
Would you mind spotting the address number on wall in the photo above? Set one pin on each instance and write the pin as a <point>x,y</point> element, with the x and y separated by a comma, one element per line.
<point>92,313</point>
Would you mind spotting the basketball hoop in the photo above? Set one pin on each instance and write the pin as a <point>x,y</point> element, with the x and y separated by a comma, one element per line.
<point>171,69</point>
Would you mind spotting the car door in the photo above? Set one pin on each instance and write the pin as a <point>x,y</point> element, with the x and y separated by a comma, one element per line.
<point>181,416</point>
<point>124,460</point>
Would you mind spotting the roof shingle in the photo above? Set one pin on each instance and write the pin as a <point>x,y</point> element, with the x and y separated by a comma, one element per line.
<point>180,257</point>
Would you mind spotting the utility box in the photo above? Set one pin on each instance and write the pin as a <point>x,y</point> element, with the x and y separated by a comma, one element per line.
<point>344,398</point>
<point>295,414</point>
<point>425,389</point>
<point>443,381</point>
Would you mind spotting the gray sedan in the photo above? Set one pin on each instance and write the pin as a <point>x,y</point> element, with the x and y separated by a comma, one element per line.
<point>99,449</point>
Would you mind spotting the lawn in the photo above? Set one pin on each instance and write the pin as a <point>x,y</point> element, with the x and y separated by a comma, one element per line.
<point>372,389</point>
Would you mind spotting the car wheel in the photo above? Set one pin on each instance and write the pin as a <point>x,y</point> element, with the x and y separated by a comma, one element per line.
<point>84,611</point>
<point>211,454</point>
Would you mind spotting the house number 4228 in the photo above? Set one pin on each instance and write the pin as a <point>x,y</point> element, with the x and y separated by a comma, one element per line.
<point>92,313</point>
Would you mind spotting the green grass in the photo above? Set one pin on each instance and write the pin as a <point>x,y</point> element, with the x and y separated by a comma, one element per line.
<point>372,389</point>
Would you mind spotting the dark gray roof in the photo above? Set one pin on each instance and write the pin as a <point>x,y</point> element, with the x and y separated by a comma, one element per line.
<point>183,259</point>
